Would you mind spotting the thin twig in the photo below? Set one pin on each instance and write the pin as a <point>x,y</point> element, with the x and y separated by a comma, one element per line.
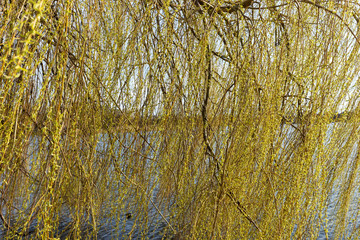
<point>335,14</point>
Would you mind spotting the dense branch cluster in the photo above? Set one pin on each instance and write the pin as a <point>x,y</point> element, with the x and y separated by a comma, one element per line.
<point>204,119</point>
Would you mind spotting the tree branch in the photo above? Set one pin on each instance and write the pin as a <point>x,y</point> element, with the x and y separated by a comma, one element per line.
<point>335,14</point>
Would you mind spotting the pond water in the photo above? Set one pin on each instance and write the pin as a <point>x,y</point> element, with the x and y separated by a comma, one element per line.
<point>112,223</point>
<point>107,228</point>
<point>125,225</point>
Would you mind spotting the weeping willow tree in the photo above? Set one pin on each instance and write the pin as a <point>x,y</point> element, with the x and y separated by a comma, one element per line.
<point>204,119</point>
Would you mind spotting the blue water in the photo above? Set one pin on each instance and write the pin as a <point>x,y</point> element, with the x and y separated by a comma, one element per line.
<point>123,222</point>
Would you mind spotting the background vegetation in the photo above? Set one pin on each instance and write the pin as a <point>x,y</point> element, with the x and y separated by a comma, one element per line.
<point>217,114</point>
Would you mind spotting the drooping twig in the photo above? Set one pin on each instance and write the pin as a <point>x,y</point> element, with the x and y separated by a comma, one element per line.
<point>242,210</point>
<point>335,14</point>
